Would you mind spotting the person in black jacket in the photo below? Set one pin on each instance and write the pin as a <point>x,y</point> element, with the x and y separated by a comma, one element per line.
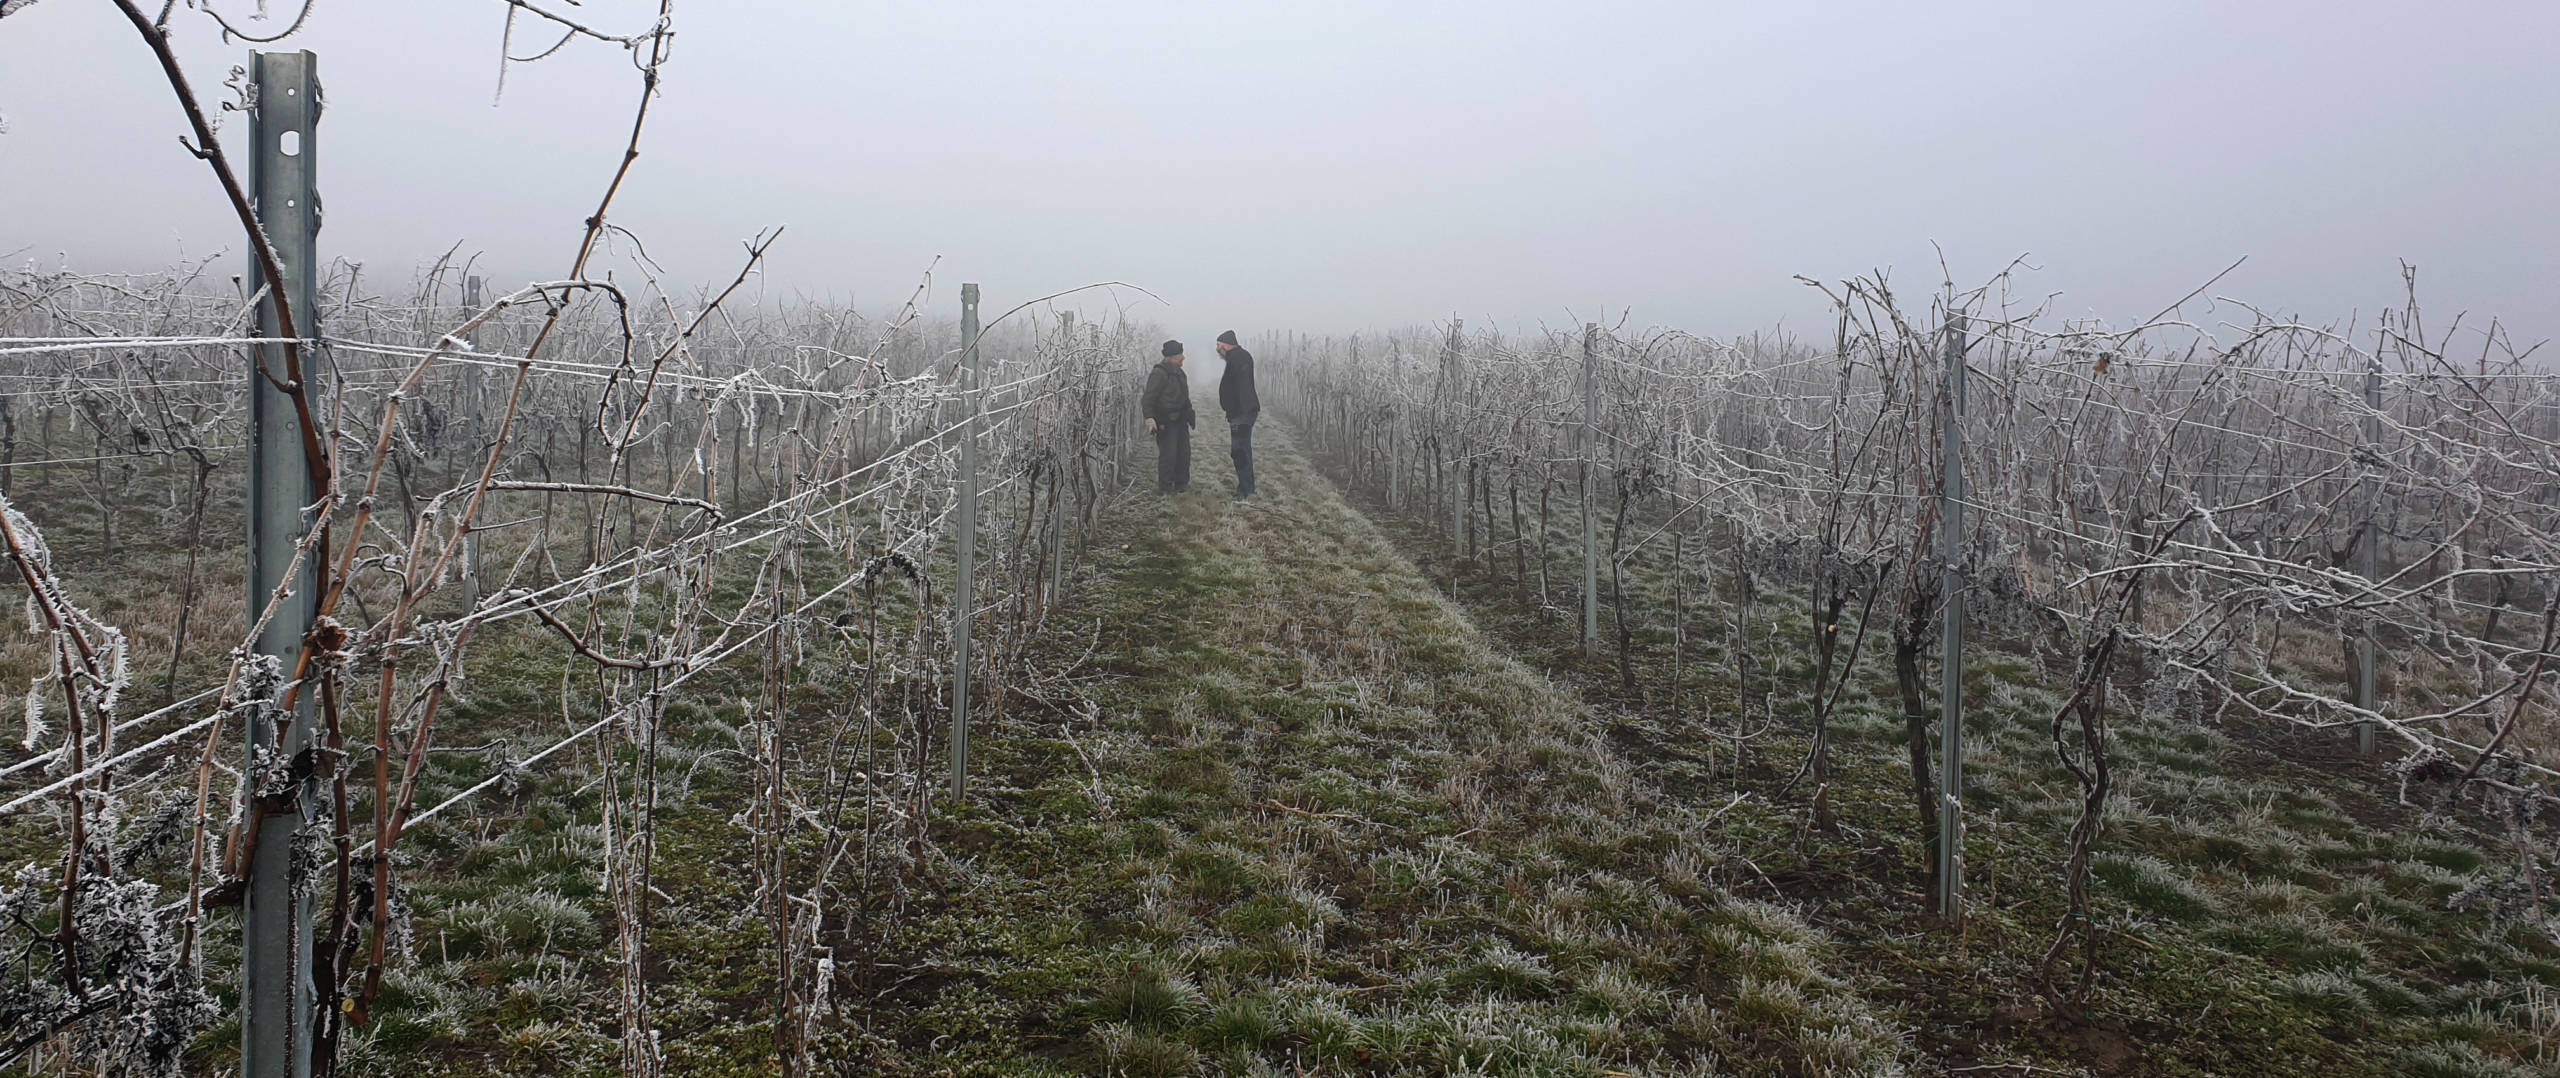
<point>1167,405</point>
<point>1242,405</point>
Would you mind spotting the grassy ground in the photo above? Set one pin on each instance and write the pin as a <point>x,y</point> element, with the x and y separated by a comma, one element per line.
<point>1328,828</point>
<point>2269,907</point>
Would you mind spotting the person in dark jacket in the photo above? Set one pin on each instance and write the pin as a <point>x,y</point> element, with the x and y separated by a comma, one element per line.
<point>1242,405</point>
<point>1167,404</point>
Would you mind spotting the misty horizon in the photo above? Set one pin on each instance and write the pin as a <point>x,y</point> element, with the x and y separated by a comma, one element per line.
<point>1338,169</point>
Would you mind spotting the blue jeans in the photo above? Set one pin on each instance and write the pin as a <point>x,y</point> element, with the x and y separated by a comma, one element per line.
<point>1240,426</point>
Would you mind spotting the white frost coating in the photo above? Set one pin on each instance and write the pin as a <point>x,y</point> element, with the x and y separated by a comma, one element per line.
<point>35,718</point>
<point>119,669</point>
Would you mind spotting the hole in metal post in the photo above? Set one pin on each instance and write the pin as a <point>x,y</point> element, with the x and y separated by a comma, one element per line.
<point>291,143</point>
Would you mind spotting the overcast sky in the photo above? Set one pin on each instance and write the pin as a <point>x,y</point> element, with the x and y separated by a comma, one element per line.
<point>1326,165</point>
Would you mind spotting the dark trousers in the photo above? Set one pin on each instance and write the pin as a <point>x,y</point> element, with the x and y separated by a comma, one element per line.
<point>1240,428</point>
<point>1173,458</point>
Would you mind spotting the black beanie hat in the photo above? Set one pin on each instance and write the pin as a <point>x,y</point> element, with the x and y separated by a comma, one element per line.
<point>1172,349</point>
<point>1228,337</point>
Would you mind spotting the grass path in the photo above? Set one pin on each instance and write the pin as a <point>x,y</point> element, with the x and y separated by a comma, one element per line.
<point>1319,825</point>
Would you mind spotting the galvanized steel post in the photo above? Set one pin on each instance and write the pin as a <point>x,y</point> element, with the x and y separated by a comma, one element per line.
<point>472,379</point>
<point>277,998</point>
<point>1450,376</point>
<point>964,595</point>
<point>1397,420</point>
<point>2369,552</point>
<point>1590,528</point>
<point>1951,498</point>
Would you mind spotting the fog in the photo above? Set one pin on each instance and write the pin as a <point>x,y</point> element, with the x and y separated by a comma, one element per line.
<point>1331,166</point>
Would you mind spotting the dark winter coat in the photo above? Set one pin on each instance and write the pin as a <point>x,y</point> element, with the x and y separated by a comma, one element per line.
<point>1235,388</point>
<point>1167,398</point>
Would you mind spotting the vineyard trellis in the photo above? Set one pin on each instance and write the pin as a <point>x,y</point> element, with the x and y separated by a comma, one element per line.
<point>2317,525</point>
<point>537,473</point>
<point>613,534</point>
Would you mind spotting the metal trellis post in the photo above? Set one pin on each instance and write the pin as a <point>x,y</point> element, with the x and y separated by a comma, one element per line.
<point>964,595</point>
<point>1457,470</point>
<point>1397,420</point>
<point>479,448</point>
<point>2369,551</point>
<point>1951,540</point>
<point>277,991</point>
<point>1590,527</point>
